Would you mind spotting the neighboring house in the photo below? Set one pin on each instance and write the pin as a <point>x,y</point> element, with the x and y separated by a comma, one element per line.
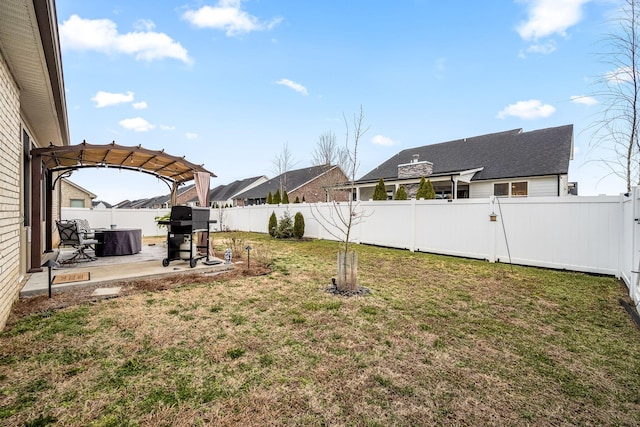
<point>33,114</point>
<point>185,194</point>
<point>71,195</point>
<point>313,184</point>
<point>507,164</point>
<point>100,204</point>
<point>159,202</point>
<point>223,195</point>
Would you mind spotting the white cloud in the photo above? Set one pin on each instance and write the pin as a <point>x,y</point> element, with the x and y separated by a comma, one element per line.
<point>142,105</point>
<point>105,99</point>
<point>191,135</point>
<point>228,15</point>
<point>293,85</point>
<point>620,75</point>
<point>137,124</point>
<point>584,100</point>
<point>383,140</point>
<point>531,109</point>
<point>144,25</point>
<point>102,35</point>
<point>549,17</point>
<point>543,48</point>
<point>167,127</point>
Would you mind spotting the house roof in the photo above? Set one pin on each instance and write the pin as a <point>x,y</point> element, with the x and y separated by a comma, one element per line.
<point>295,179</point>
<point>226,192</point>
<point>152,201</point>
<point>506,154</point>
<point>95,203</point>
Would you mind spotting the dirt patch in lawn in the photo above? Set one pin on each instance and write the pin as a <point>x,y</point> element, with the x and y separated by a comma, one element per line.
<point>41,303</point>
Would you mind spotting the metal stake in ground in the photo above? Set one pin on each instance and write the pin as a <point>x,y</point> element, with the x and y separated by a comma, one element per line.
<point>49,264</point>
<point>248,248</point>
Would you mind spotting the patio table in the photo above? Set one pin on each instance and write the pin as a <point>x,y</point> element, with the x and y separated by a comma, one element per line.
<point>119,241</point>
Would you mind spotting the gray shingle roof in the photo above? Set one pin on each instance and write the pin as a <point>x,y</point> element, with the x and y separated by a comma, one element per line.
<point>229,190</point>
<point>295,179</point>
<point>506,154</point>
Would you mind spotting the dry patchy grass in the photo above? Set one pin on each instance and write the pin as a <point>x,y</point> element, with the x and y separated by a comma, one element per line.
<point>438,341</point>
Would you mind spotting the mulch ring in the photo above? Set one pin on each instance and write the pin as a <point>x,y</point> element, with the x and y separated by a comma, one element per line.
<point>41,303</point>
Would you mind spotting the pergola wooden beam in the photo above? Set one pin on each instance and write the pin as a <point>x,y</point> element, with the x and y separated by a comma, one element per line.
<point>45,161</point>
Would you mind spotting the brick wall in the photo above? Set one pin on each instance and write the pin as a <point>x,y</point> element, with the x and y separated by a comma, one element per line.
<point>10,184</point>
<point>183,198</point>
<point>314,191</point>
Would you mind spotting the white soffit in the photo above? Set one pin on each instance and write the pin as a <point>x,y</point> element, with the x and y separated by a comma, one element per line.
<point>22,48</point>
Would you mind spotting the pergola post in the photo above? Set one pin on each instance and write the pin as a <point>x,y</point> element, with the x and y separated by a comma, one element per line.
<point>174,194</point>
<point>48,225</point>
<point>36,220</point>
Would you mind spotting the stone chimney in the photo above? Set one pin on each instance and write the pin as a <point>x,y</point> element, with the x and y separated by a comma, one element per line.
<point>415,169</point>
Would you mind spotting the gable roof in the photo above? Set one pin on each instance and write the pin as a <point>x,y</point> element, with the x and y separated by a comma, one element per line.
<point>95,203</point>
<point>506,154</point>
<point>295,179</point>
<point>226,192</point>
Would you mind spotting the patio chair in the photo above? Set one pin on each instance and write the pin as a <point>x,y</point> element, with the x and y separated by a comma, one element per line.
<point>70,235</point>
<point>85,228</point>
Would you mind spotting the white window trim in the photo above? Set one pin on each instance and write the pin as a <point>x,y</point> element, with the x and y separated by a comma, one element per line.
<point>509,186</point>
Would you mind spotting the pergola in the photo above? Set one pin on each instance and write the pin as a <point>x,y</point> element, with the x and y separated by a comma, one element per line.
<point>174,171</point>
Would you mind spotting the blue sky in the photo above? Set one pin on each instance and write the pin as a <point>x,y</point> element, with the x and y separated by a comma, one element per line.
<point>227,83</point>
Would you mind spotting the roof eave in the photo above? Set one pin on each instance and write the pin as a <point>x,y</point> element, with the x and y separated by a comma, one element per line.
<point>31,26</point>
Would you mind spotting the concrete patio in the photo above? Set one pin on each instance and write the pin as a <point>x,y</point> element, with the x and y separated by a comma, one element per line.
<point>147,264</point>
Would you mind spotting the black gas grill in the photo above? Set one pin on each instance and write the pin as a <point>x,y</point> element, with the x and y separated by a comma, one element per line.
<point>188,219</point>
<point>183,222</point>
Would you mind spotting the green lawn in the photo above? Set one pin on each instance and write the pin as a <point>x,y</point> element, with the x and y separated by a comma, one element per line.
<point>438,340</point>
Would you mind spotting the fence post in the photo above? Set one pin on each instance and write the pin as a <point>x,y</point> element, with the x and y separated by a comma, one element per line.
<point>634,291</point>
<point>492,230</point>
<point>621,230</point>
<point>412,246</point>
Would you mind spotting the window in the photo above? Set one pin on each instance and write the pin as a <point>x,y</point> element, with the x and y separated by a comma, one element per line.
<point>511,189</point>
<point>519,189</point>
<point>76,203</point>
<point>501,190</point>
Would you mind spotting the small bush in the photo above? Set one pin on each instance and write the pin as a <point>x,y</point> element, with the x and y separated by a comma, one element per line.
<point>164,217</point>
<point>285,198</point>
<point>401,194</point>
<point>285,226</point>
<point>269,198</point>
<point>380,192</point>
<point>297,200</point>
<point>235,242</point>
<point>298,225</point>
<point>277,199</point>
<point>425,190</point>
<point>273,224</point>
<point>431,193</point>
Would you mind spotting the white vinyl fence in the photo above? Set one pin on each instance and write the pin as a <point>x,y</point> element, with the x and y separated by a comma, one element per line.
<point>120,218</point>
<point>588,234</point>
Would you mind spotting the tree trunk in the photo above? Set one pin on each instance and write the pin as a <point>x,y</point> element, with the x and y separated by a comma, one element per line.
<point>347,280</point>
